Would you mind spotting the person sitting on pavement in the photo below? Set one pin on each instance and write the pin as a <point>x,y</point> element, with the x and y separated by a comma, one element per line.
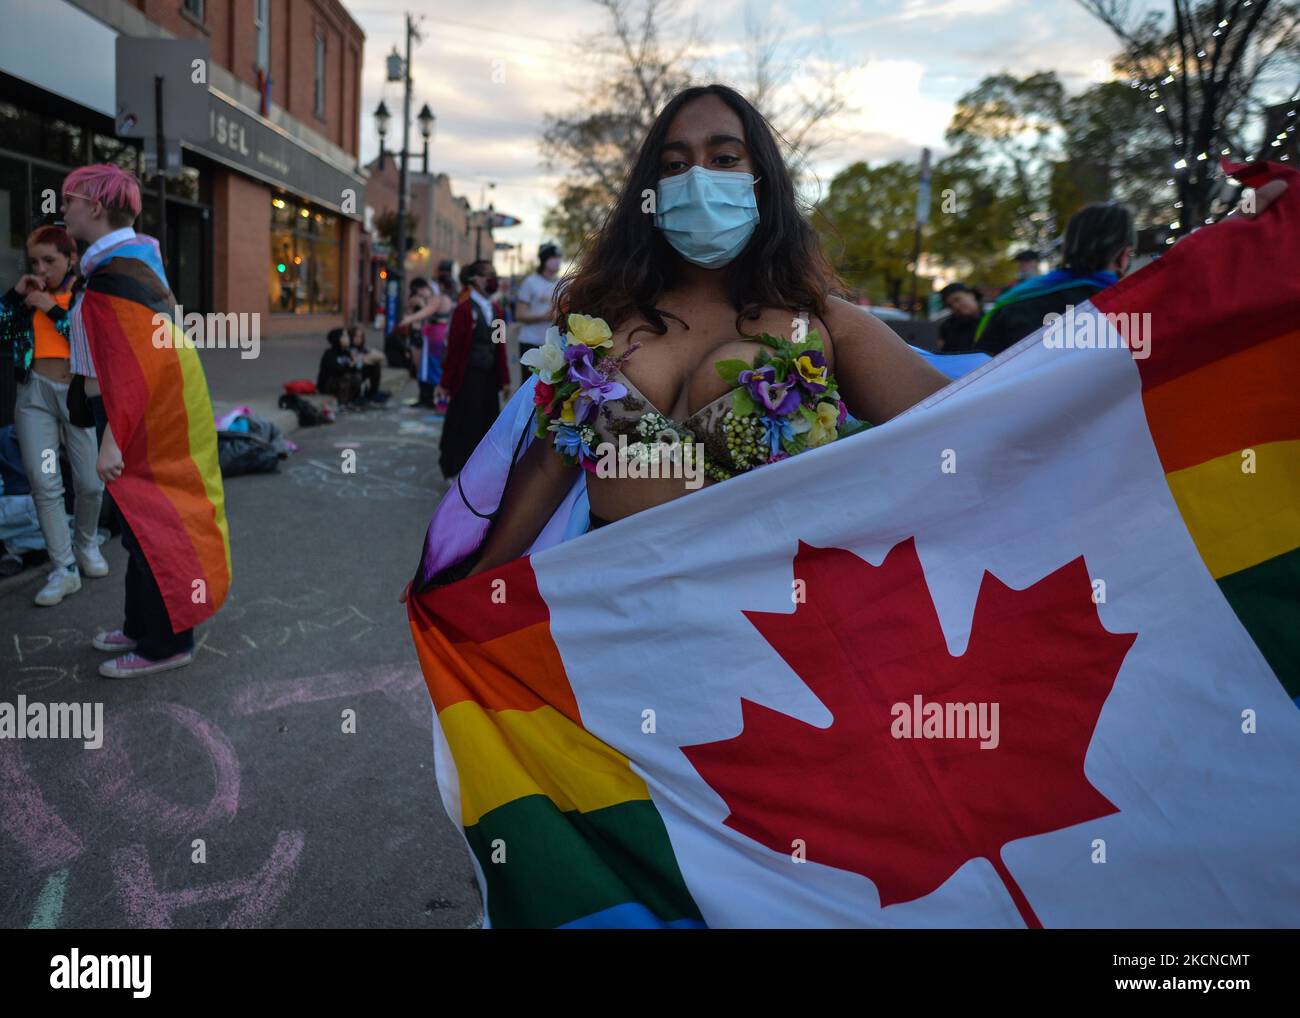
<point>957,331</point>
<point>338,376</point>
<point>370,363</point>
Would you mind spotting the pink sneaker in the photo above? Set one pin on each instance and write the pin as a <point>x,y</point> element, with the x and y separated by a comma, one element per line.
<point>130,665</point>
<point>115,642</point>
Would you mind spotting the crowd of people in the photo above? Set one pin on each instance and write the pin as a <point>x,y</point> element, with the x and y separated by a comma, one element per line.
<point>452,340</point>
<point>1096,251</point>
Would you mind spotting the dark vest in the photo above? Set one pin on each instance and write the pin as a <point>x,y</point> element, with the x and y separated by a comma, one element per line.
<point>482,351</point>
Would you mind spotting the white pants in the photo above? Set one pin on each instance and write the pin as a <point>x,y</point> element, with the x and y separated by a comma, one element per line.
<point>41,424</point>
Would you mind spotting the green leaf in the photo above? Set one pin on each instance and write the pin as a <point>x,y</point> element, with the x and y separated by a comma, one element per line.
<point>742,403</point>
<point>769,340</point>
<point>812,341</point>
<point>729,370</point>
<point>808,414</point>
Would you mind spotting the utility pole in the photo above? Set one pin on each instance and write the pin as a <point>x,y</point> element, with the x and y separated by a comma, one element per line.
<point>403,176</point>
<point>922,217</point>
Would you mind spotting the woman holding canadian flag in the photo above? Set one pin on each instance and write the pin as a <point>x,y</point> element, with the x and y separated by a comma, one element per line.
<point>655,720</point>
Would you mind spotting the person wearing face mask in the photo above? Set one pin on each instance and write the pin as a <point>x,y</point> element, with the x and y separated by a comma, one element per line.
<point>34,319</point>
<point>536,294</point>
<point>1097,251</point>
<point>474,371</point>
<point>704,250</point>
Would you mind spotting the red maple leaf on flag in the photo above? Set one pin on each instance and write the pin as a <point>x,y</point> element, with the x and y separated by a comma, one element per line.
<point>908,812</point>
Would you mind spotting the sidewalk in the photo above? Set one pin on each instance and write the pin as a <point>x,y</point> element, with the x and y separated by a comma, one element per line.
<point>258,382</point>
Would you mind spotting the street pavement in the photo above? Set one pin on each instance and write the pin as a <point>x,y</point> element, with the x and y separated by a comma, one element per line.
<point>230,793</point>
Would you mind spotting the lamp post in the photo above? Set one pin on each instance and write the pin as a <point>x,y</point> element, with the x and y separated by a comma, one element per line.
<point>426,120</point>
<point>484,218</point>
<point>382,120</point>
<point>399,69</point>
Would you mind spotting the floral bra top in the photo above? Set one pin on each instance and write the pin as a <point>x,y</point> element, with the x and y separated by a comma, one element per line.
<point>784,403</point>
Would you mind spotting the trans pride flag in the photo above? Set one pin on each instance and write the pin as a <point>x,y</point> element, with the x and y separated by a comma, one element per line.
<point>156,398</point>
<point>737,709</point>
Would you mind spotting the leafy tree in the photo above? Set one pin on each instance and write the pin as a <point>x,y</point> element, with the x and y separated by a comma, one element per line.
<point>866,223</point>
<point>652,54</point>
<point>1207,70</point>
<point>1009,129</point>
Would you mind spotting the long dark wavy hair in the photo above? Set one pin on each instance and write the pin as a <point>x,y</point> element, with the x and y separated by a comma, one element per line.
<point>628,265</point>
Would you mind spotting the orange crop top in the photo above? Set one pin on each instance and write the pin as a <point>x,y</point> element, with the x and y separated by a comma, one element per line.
<point>48,341</point>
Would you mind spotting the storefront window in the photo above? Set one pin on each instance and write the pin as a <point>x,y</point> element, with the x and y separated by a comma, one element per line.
<point>20,130</point>
<point>120,153</point>
<point>305,267</point>
<point>13,222</point>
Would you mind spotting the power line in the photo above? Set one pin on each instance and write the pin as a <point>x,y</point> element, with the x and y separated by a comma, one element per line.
<point>466,24</point>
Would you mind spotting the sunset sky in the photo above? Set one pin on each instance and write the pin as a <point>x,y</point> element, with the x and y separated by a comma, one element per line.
<point>901,63</point>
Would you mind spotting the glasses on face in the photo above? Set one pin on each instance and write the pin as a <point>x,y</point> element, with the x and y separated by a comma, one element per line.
<point>77,194</point>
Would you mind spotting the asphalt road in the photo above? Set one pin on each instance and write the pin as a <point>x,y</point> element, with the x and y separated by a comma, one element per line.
<point>228,793</point>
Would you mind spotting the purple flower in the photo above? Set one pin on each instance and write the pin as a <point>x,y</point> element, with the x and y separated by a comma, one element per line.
<point>752,378</point>
<point>778,398</point>
<point>593,387</point>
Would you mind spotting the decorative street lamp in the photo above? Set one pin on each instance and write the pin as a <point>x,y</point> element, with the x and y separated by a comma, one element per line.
<point>382,120</point>
<point>426,120</point>
<point>399,69</point>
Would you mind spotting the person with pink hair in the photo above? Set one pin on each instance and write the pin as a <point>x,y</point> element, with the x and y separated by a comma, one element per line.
<point>178,571</point>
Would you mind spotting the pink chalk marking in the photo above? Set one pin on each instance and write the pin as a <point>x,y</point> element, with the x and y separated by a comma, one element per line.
<point>33,824</point>
<point>403,684</point>
<point>110,781</point>
<point>255,897</point>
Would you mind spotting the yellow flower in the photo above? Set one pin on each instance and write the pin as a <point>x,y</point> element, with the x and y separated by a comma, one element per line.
<point>589,331</point>
<point>823,429</point>
<point>567,415</point>
<point>809,371</point>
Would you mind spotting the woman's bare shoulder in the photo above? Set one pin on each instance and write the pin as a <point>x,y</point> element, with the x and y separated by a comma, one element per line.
<point>879,374</point>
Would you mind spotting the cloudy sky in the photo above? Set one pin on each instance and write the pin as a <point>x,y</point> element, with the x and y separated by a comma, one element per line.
<point>492,71</point>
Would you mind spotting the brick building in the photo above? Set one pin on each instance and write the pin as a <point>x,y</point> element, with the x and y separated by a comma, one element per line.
<point>446,226</point>
<point>265,215</point>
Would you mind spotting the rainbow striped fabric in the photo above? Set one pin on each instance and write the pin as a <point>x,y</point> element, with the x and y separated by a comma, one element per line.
<point>540,798</point>
<point>156,398</point>
<point>1221,391</point>
<point>688,717</point>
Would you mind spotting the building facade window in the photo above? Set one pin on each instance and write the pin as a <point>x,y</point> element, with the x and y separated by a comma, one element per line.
<point>306,263</point>
<point>262,24</point>
<point>320,76</point>
<point>194,8</point>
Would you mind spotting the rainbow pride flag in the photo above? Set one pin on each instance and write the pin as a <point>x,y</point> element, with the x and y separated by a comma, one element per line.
<point>1222,398</point>
<point>156,398</point>
<point>1024,655</point>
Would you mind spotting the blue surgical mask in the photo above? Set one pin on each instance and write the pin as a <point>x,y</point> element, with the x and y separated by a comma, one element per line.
<point>707,216</point>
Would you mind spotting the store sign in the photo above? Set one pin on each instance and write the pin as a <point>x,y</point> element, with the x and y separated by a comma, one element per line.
<point>246,142</point>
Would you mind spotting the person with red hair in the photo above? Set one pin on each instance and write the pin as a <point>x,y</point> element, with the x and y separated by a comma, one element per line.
<point>34,323</point>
